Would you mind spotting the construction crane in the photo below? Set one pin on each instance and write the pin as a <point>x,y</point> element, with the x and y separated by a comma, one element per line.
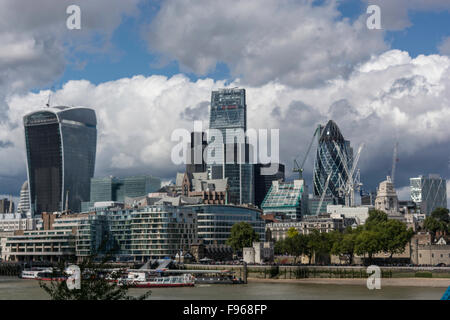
<point>323,194</point>
<point>299,168</point>
<point>394,162</point>
<point>351,184</point>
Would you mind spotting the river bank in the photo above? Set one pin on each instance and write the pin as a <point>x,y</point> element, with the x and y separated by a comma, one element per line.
<point>391,282</point>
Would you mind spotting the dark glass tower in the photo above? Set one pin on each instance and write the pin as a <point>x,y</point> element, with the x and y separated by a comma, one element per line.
<point>228,113</point>
<point>195,161</point>
<point>61,145</point>
<point>328,161</point>
<point>264,182</point>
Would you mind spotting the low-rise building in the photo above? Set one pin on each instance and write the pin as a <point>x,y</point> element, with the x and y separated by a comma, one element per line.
<point>260,252</point>
<point>17,221</point>
<point>360,214</point>
<point>41,245</point>
<point>278,230</point>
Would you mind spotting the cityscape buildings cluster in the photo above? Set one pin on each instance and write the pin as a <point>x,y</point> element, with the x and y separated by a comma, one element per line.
<point>64,212</point>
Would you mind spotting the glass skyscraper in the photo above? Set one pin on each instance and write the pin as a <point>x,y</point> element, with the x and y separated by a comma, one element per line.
<point>61,145</point>
<point>229,116</point>
<point>429,192</point>
<point>328,161</point>
<point>116,189</point>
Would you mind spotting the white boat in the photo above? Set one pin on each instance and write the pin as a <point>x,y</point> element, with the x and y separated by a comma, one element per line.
<point>145,280</point>
<point>33,273</point>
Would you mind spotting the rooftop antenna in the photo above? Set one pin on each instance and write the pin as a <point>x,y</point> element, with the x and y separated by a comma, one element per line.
<point>49,96</point>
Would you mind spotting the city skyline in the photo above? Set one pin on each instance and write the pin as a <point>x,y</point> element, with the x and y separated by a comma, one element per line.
<point>388,92</point>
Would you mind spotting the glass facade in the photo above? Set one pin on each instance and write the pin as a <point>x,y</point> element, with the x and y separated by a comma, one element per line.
<point>328,161</point>
<point>229,116</point>
<point>429,193</point>
<point>116,189</point>
<point>61,146</point>
<point>215,221</point>
<point>263,183</point>
<point>289,199</point>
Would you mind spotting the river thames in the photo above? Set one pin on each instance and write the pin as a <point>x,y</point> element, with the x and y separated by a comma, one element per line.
<point>13,288</point>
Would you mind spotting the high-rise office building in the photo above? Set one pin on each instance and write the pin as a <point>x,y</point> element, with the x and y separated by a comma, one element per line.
<point>264,182</point>
<point>328,161</point>
<point>61,146</point>
<point>24,200</point>
<point>6,206</point>
<point>113,189</point>
<point>429,192</point>
<point>229,116</point>
<point>195,161</point>
<point>287,200</point>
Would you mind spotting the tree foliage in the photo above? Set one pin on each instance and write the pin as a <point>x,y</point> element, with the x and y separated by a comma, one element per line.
<point>378,234</point>
<point>438,221</point>
<point>242,235</point>
<point>94,285</point>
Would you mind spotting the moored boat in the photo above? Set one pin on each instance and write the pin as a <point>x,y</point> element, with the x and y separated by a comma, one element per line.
<point>146,280</point>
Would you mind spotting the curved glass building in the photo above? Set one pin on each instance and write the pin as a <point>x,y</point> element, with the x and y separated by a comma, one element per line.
<point>215,221</point>
<point>61,145</point>
<point>328,161</point>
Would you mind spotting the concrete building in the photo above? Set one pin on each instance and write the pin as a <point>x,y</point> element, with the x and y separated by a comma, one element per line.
<point>17,221</point>
<point>6,206</point>
<point>214,252</point>
<point>429,192</point>
<point>386,199</point>
<point>41,245</point>
<point>211,191</point>
<point>287,198</point>
<point>360,214</point>
<point>260,252</point>
<point>278,230</point>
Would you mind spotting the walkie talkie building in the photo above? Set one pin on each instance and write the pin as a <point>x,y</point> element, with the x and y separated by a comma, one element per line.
<point>61,145</point>
<point>328,161</point>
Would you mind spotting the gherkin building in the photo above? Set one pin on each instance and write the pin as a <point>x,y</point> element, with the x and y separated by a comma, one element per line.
<point>328,161</point>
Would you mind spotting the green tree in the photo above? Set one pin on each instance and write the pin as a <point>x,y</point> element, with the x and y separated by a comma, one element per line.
<point>368,242</point>
<point>438,221</point>
<point>345,243</point>
<point>292,232</point>
<point>242,235</point>
<point>394,236</point>
<point>317,243</point>
<point>375,219</point>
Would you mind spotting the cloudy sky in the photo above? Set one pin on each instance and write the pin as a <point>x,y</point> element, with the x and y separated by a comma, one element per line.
<point>148,67</point>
